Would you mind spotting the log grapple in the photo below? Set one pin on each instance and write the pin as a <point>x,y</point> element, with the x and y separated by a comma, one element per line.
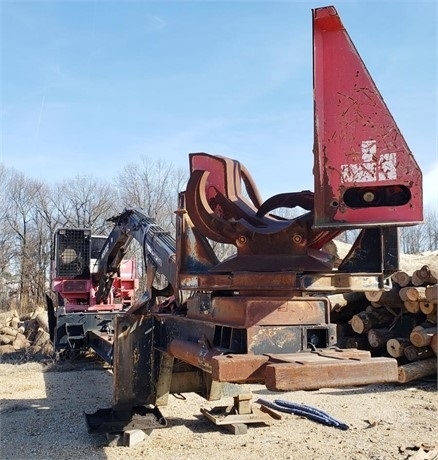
<point>262,315</point>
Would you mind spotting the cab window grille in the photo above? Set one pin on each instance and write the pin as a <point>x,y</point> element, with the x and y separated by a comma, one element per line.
<point>73,253</point>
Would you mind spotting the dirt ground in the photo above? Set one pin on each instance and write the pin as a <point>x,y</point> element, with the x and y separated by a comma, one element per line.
<point>43,405</point>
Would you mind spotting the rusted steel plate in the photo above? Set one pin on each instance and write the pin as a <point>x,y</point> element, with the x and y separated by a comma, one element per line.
<point>274,339</point>
<point>245,311</point>
<point>238,368</point>
<point>285,281</point>
<point>102,344</point>
<point>321,355</point>
<point>237,281</point>
<point>277,260</point>
<point>312,375</point>
<point>133,361</point>
<point>364,171</point>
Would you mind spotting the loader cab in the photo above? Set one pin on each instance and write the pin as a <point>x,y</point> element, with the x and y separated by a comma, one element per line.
<point>75,253</point>
<point>97,243</point>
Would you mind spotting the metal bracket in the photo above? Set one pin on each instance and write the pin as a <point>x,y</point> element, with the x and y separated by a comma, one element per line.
<point>116,421</point>
<point>235,418</point>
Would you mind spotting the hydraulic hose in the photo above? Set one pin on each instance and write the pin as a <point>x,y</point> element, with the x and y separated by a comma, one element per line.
<point>304,411</point>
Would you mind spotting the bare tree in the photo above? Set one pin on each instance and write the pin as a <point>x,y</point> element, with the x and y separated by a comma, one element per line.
<point>153,186</point>
<point>421,237</point>
<point>7,249</point>
<point>83,202</point>
<point>21,216</point>
<point>431,228</point>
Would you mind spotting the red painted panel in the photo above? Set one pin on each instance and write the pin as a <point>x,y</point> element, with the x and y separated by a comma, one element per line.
<point>364,171</point>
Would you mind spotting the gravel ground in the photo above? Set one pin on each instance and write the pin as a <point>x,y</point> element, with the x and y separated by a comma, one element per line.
<point>42,418</point>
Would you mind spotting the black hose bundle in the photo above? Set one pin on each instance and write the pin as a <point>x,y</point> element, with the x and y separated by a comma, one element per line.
<point>305,411</point>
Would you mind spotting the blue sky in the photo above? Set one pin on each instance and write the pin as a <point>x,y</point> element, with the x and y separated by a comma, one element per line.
<point>87,87</point>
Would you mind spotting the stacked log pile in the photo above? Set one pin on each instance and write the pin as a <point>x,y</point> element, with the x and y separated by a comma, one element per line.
<point>401,323</point>
<point>28,333</point>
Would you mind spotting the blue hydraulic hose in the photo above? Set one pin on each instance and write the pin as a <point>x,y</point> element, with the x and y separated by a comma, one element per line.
<point>311,410</point>
<point>304,411</point>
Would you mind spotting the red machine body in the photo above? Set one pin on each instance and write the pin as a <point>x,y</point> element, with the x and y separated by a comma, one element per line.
<point>364,171</point>
<point>75,277</point>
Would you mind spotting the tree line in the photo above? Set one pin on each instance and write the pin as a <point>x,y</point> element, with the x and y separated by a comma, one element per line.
<point>31,211</point>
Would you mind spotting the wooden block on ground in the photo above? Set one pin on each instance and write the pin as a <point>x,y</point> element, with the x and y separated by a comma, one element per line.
<point>237,428</point>
<point>133,437</point>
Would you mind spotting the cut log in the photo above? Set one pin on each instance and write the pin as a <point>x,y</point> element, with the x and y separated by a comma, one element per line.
<point>413,353</point>
<point>36,312</point>
<point>6,339</point>
<point>417,370</point>
<point>360,342</point>
<point>20,342</point>
<point>417,278</point>
<point>366,320</point>
<point>339,301</point>
<point>8,331</point>
<point>41,338</point>
<point>377,338</point>
<point>342,313</point>
<point>396,347</point>
<point>413,293</point>
<point>43,320</point>
<point>428,308</point>
<point>429,273</point>
<point>421,337</point>
<point>412,306</point>
<point>432,293</point>
<point>401,278</point>
<point>385,298</point>
<point>6,349</point>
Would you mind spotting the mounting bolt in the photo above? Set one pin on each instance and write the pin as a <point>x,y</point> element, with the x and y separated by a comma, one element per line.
<point>368,197</point>
<point>297,238</point>
<point>241,240</point>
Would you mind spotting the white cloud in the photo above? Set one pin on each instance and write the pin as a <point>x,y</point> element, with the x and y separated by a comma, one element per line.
<point>153,23</point>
